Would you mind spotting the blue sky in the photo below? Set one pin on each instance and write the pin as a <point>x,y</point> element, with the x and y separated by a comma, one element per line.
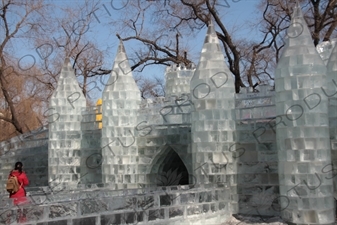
<point>235,15</point>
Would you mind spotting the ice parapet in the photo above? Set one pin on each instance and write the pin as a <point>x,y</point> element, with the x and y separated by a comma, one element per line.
<point>303,138</point>
<point>66,105</point>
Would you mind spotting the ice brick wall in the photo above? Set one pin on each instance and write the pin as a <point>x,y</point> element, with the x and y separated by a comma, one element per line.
<point>163,129</point>
<point>256,158</point>
<point>303,138</point>
<point>199,204</point>
<point>32,150</point>
<point>91,153</point>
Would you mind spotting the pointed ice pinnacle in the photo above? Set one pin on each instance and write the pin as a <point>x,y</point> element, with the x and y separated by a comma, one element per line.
<point>121,73</point>
<point>67,84</point>
<point>212,63</point>
<point>299,55</point>
<point>298,32</point>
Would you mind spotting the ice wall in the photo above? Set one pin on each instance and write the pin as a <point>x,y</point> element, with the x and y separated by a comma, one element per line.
<point>91,153</point>
<point>302,130</point>
<point>163,130</point>
<point>121,101</point>
<point>257,162</point>
<point>213,121</point>
<point>32,150</point>
<point>64,150</point>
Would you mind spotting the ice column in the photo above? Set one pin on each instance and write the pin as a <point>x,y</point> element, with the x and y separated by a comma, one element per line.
<point>302,129</point>
<point>121,100</point>
<point>213,122</point>
<point>65,108</point>
<point>331,92</point>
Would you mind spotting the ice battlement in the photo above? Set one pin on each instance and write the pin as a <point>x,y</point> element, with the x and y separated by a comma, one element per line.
<point>180,67</point>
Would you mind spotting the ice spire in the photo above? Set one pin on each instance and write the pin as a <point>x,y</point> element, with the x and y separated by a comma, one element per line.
<point>121,100</point>
<point>303,135</point>
<point>67,81</point>
<point>213,122</point>
<point>121,76</point>
<point>66,105</point>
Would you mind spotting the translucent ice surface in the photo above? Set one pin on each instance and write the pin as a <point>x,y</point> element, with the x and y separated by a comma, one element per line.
<point>65,134</point>
<point>304,135</point>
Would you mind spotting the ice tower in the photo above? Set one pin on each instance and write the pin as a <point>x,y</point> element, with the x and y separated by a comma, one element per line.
<point>213,122</point>
<point>121,100</point>
<point>64,150</point>
<point>331,92</point>
<point>302,129</point>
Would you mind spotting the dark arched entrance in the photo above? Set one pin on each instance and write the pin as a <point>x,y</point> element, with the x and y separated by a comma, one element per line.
<point>171,170</point>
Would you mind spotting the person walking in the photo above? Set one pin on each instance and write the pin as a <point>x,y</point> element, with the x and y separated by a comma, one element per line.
<point>19,197</point>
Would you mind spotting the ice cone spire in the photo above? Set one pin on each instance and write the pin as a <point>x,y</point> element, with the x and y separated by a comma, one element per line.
<point>67,81</point>
<point>212,59</point>
<point>121,73</point>
<point>298,32</point>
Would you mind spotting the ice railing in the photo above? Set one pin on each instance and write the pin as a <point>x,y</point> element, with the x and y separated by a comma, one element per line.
<point>174,202</point>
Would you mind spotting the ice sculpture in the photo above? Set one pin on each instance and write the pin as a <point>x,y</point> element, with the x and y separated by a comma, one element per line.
<point>178,79</point>
<point>302,129</point>
<point>331,92</point>
<point>121,100</point>
<point>213,122</point>
<point>65,118</point>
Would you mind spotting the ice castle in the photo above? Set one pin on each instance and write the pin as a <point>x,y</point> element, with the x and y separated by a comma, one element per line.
<point>196,156</point>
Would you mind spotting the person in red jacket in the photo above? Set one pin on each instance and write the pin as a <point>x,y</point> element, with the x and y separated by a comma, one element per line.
<point>19,197</point>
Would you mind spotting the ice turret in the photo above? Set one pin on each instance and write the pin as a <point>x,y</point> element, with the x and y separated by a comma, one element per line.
<point>178,78</point>
<point>213,123</point>
<point>121,100</point>
<point>65,108</point>
<point>302,129</point>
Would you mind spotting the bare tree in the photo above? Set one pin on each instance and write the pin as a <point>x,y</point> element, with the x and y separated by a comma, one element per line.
<point>173,22</point>
<point>25,89</point>
<point>19,20</point>
<point>150,87</point>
